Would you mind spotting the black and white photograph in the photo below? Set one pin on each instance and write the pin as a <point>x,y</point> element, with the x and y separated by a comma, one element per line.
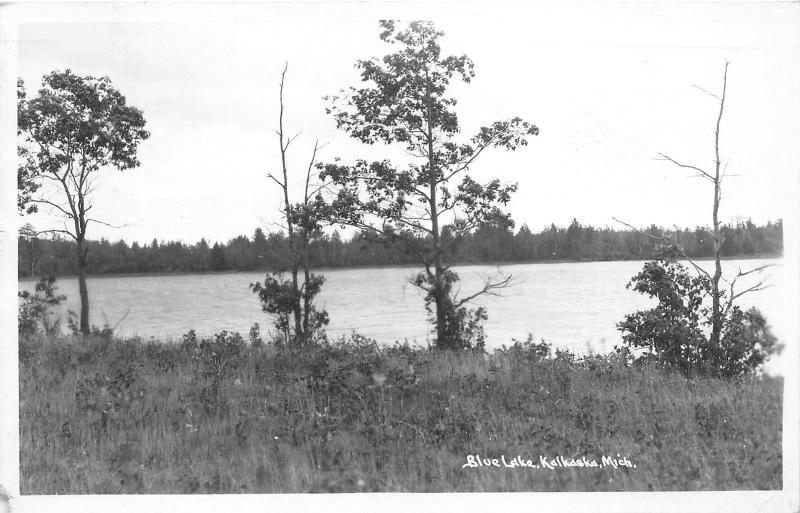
<point>476,256</point>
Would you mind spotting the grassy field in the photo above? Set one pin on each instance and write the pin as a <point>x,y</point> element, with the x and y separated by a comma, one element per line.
<point>104,415</point>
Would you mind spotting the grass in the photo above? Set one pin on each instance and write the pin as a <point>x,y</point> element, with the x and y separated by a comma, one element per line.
<point>103,415</point>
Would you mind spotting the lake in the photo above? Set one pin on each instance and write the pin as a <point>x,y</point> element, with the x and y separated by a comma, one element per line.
<point>571,305</point>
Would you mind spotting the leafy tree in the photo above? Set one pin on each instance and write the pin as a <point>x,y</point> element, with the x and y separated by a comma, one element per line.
<point>217,258</point>
<point>30,246</point>
<point>75,127</point>
<point>404,101</point>
<point>524,245</point>
<point>573,242</point>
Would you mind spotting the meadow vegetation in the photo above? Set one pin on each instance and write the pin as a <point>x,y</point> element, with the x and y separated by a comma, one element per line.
<point>100,414</point>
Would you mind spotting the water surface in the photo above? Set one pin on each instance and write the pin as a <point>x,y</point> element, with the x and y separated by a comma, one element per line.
<point>572,305</point>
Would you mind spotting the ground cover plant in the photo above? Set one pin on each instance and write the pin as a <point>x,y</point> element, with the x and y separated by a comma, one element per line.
<point>101,414</point>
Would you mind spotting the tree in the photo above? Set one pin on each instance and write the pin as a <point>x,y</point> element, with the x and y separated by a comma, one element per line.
<point>730,328</point>
<point>404,101</point>
<point>673,331</point>
<point>217,260</point>
<point>289,299</point>
<point>74,128</point>
<point>524,245</point>
<point>28,235</point>
<point>26,167</point>
<point>715,178</point>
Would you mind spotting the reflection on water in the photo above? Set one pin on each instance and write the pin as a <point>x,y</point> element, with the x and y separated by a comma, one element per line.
<point>572,305</point>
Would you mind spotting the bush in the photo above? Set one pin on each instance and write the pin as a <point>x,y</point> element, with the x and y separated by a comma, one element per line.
<point>217,356</point>
<point>293,308</point>
<point>255,336</point>
<point>675,332</point>
<point>527,351</point>
<point>109,395</point>
<point>36,311</point>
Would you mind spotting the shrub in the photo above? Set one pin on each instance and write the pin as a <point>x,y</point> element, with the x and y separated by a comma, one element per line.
<point>217,354</point>
<point>106,333</point>
<point>189,342</point>
<point>675,331</point>
<point>109,395</point>
<point>255,336</point>
<point>293,307</point>
<point>36,311</point>
<point>527,351</point>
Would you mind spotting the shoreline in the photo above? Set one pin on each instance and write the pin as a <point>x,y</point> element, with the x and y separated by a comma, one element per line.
<point>388,266</point>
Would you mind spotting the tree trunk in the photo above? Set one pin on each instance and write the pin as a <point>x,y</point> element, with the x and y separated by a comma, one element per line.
<point>716,308</point>
<point>440,293</point>
<point>84,292</point>
<point>298,323</point>
<point>298,326</point>
<point>307,277</point>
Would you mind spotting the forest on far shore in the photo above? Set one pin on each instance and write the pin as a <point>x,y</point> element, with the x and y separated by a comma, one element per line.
<point>270,251</point>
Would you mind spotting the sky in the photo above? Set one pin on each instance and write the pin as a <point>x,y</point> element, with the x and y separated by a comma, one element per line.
<point>610,86</point>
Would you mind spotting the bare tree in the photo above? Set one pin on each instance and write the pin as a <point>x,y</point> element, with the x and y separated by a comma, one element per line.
<point>718,310</point>
<point>293,299</point>
<point>720,306</point>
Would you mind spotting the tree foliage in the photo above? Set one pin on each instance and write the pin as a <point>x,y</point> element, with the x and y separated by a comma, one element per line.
<point>36,311</point>
<point>676,332</point>
<point>39,256</point>
<point>72,129</point>
<point>291,300</point>
<point>26,164</point>
<point>404,101</point>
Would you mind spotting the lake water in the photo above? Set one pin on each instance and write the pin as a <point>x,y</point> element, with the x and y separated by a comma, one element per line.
<point>571,305</point>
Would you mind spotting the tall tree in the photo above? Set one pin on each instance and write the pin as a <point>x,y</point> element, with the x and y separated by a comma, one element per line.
<point>718,309</point>
<point>739,341</point>
<point>404,101</point>
<point>293,299</point>
<point>74,128</point>
<point>28,235</point>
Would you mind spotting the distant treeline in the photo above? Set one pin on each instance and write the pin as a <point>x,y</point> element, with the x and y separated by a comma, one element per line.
<point>56,256</point>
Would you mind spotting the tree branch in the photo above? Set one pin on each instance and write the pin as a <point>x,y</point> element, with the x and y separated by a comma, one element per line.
<point>758,286</point>
<point>708,93</point>
<point>671,243</point>
<point>489,288</point>
<point>52,204</point>
<point>686,166</point>
<point>104,223</point>
<point>57,231</point>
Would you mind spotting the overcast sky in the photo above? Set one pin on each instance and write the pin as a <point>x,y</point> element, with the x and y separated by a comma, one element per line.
<point>609,86</point>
